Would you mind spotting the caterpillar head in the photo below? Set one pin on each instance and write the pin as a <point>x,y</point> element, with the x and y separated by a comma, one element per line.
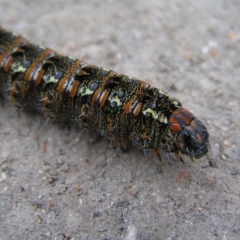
<point>191,135</point>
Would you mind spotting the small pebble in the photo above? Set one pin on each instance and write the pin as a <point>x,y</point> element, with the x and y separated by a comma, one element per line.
<point>159,198</point>
<point>97,214</point>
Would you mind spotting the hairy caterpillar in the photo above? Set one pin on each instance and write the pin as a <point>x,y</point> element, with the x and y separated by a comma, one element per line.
<point>119,107</point>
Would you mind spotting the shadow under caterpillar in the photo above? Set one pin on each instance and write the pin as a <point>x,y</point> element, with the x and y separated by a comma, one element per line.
<point>119,107</point>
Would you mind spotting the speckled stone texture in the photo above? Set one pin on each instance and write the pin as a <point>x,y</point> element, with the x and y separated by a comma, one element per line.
<point>56,184</point>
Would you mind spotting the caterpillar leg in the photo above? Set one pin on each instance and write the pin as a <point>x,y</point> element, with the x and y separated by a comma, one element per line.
<point>178,156</point>
<point>122,145</point>
<point>157,151</point>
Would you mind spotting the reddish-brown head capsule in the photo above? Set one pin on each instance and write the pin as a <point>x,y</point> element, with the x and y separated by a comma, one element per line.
<point>190,133</point>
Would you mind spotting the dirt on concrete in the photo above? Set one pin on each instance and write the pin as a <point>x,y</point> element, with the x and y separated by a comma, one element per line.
<point>56,184</point>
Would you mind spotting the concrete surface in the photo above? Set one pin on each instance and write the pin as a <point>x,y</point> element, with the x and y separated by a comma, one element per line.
<point>55,184</point>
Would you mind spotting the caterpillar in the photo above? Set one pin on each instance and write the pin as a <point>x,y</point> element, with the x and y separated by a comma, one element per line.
<point>122,108</point>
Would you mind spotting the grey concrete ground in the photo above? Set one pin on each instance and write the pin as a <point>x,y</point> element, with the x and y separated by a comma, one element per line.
<point>54,184</point>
